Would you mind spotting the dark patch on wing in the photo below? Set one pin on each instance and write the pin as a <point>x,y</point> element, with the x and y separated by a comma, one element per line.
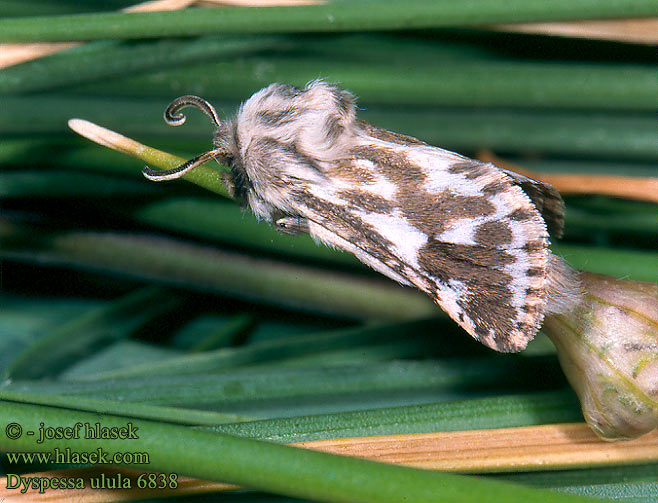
<point>493,233</point>
<point>446,261</point>
<point>435,213</point>
<point>534,246</point>
<point>522,214</point>
<point>470,169</point>
<point>350,171</point>
<point>534,271</point>
<point>386,135</point>
<point>496,187</point>
<point>393,164</point>
<point>366,201</point>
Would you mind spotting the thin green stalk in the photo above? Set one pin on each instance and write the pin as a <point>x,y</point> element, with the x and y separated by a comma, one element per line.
<point>332,17</point>
<point>204,175</point>
<point>293,286</point>
<point>266,466</point>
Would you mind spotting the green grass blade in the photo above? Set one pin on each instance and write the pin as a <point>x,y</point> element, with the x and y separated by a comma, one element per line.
<point>335,16</point>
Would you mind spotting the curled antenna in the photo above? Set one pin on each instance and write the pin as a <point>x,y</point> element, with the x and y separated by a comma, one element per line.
<point>173,117</point>
<point>157,175</point>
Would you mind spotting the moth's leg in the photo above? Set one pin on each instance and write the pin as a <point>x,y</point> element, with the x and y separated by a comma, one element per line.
<point>292,225</point>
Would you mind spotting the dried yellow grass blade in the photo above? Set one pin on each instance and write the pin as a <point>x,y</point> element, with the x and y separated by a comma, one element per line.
<point>106,137</point>
<point>13,54</point>
<point>555,446</point>
<point>630,187</point>
<point>639,31</point>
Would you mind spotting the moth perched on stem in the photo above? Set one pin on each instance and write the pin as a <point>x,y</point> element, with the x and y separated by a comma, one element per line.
<point>470,235</point>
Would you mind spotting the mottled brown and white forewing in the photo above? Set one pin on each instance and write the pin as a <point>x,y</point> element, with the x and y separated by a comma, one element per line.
<point>458,229</point>
<point>467,233</point>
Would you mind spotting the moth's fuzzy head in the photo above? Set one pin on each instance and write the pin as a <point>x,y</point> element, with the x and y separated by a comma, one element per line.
<point>282,138</point>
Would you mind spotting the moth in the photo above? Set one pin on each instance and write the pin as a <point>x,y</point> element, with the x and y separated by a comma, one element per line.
<point>470,235</point>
